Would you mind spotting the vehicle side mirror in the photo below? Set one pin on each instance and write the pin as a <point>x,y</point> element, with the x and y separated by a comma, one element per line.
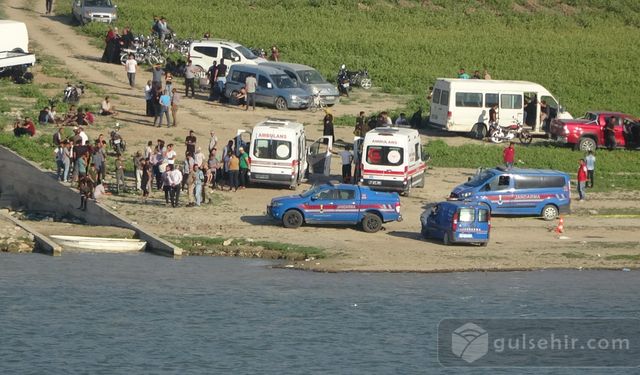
<point>269,85</point>
<point>560,109</point>
<point>486,187</point>
<point>468,179</point>
<point>236,59</point>
<point>314,197</point>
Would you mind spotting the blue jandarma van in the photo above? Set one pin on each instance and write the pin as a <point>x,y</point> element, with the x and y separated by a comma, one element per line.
<point>516,191</point>
<point>457,221</point>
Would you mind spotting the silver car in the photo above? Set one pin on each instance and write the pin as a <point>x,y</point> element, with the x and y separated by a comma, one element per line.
<point>309,79</point>
<point>85,11</point>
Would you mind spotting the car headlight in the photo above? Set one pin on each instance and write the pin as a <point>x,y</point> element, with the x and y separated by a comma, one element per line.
<point>465,195</point>
<point>276,204</point>
<point>294,97</point>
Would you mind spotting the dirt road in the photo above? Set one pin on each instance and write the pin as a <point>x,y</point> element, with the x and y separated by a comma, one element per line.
<point>590,240</point>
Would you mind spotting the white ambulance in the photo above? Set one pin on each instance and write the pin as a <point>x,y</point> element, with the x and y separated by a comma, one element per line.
<point>277,152</point>
<point>391,159</point>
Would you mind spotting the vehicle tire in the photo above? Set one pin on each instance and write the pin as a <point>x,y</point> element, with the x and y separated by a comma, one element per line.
<point>371,223</point>
<point>549,212</point>
<point>484,244</point>
<point>479,131</point>
<point>281,104</point>
<point>123,58</point>
<point>365,83</point>
<point>421,184</point>
<point>446,240</point>
<point>232,98</point>
<point>497,136</point>
<point>292,219</point>
<point>587,144</point>
<point>525,137</point>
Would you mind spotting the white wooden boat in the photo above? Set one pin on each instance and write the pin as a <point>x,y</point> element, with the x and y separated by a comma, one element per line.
<point>99,244</point>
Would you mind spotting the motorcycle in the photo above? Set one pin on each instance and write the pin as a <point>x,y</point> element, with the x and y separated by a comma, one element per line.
<point>344,84</point>
<point>72,93</point>
<point>499,134</point>
<point>116,142</point>
<point>360,78</point>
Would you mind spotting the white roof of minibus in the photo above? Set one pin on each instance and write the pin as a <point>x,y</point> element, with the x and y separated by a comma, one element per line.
<point>492,83</point>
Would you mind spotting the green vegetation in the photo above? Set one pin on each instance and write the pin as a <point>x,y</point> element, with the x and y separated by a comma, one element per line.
<point>579,49</point>
<point>615,170</point>
<point>37,149</point>
<point>246,248</point>
<point>633,257</point>
<point>574,255</point>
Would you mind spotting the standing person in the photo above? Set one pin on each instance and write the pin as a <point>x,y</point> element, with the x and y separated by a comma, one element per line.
<point>493,114</point>
<point>214,166</point>
<point>198,183</point>
<point>145,179</point>
<point>360,128</point>
<point>508,155</point>
<point>244,168</point>
<point>131,66</point>
<point>156,76</point>
<point>486,75</point>
<point>59,155</point>
<point>175,103</point>
<point>346,157</point>
<point>66,160</point>
<point>250,85</point>
<point>137,167</point>
<point>198,157</point>
<point>213,141</point>
<point>190,176</point>
<point>591,168</point>
<point>189,79</point>
<point>211,74</point>
<point>275,53</point>
<point>48,4</point>
<point>327,129</point>
<point>170,155</point>
<point>221,77</point>
<point>190,142</point>
<point>610,133</point>
<point>582,179</point>
<point>120,175</point>
<point>165,102</point>
<point>234,171</point>
<point>86,189</point>
<point>148,97</point>
<point>174,177</point>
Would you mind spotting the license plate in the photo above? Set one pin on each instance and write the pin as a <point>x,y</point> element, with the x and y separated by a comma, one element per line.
<point>375,182</point>
<point>330,97</point>
<point>260,176</point>
<point>465,235</point>
<point>117,142</point>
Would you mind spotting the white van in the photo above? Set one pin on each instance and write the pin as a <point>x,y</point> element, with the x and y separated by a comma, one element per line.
<point>462,105</point>
<point>277,152</point>
<point>391,159</point>
<point>14,48</point>
<point>203,53</point>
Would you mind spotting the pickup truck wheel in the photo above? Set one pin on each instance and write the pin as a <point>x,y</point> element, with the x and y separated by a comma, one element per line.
<point>292,219</point>
<point>550,212</point>
<point>587,144</point>
<point>371,223</point>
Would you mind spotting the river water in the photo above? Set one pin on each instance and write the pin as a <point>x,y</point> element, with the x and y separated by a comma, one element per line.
<point>144,314</point>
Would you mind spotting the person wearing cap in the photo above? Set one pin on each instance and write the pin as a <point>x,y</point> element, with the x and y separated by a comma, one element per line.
<point>244,168</point>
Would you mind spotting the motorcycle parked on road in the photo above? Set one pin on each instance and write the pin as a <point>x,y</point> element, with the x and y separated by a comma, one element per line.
<point>72,93</point>
<point>116,142</point>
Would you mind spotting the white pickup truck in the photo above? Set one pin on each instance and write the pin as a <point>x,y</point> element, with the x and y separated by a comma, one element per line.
<point>15,58</point>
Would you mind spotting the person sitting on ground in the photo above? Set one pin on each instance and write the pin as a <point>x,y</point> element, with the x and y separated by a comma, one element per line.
<point>25,128</point>
<point>107,109</point>
<point>241,98</point>
<point>89,116</point>
<point>81,117</point>
<point>70,117</point>
<point>44,116</point>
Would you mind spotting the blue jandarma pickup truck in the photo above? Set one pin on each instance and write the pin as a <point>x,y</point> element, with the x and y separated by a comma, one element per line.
<point>334,203</point>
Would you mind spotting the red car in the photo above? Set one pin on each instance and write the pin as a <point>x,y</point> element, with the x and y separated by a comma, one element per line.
<point>587,133</point>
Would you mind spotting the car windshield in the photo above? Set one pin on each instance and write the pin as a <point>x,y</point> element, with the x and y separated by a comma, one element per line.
<point>246,52</point>
<point>271,149</point>
<point>98,3</point>
<point>283,81</point>
<point>311,77</point>
<point>480,178</point>
<point>590,116</point>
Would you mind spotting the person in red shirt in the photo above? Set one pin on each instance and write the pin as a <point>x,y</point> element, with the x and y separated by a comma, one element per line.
<point>508,155</point>
<point>582,179</point>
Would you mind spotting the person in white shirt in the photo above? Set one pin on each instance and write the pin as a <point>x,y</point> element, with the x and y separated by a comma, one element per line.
<point>148,96</point>
<point>213,141</point>
<point>591,168</point>
<point>131,66</point>
<point>83,136</point>
<point>106,108</point>
<point>170,155</point>
<point>347,159</point>
<point>174,178</point>
<point>199,156</point>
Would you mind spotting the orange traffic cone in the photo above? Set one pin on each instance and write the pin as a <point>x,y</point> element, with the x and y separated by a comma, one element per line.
<point>560,227</point>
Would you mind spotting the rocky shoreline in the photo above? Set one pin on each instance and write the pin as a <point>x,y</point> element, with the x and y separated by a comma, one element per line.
<point>14,239</point>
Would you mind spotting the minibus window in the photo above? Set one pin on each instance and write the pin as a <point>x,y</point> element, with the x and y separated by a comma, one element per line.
<point>479,179</point>
<point>511,101</point>
<point>490,100</point>
<point>500,183</point>
<point>467,215</point>
<point>272,149</point>
<point>436,96</point>
<point>468,99</point>
<point>444,98</point>
<point>385,155</point>
<point>483,215</point>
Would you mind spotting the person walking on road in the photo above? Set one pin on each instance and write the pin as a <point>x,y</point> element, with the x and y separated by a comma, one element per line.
<point>49,5</point>
<point>508,155</point>
<point>250,85</point>
<point>131,66</point>
<point>591,168</point>
<point>175,104</point>
<point>582,179</point>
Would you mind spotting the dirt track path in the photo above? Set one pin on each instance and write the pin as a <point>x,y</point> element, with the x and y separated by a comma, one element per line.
<point>516,243</point>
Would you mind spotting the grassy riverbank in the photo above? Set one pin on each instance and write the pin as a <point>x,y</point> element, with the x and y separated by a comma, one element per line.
<point>406,44</point>
<point>615,170</point>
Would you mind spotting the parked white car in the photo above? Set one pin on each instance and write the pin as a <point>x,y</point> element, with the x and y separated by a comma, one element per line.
<point>203,53</point>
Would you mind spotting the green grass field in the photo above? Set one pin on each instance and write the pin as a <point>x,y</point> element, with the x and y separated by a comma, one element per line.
<point>582,50</point>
